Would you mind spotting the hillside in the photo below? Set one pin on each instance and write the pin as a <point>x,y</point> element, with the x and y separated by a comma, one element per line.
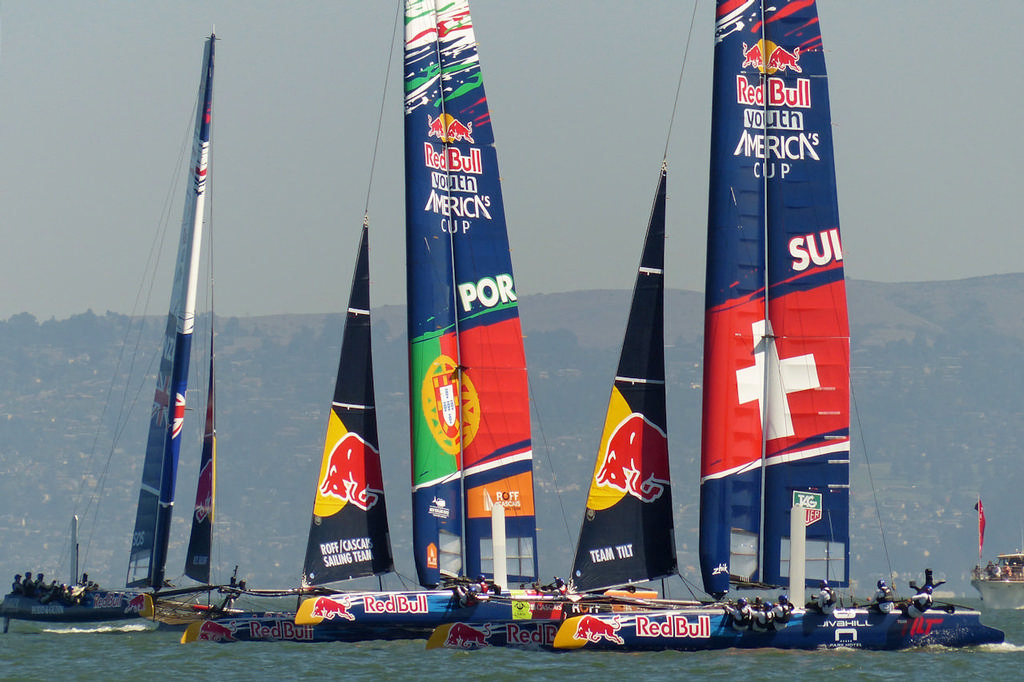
<point>936,399</point>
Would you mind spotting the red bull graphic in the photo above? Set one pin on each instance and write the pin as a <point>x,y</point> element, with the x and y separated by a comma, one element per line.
<point>352,474</point>
<point>673,626</point>
<point>281,630</point>
<point>463,636</point>
<point>396,603</point>
<point>636,460</point>
<point>594,629</point>
<point>532,634</point>
<point>767,57</point>
<point>135,604</point>
<point>449,129</point>
<point>329,609</point>
<point>212,631</point>
<point>204,493</point>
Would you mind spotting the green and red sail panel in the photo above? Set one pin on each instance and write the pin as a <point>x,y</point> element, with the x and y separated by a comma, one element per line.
<point>470,420</point>
<point>627,534</point>
<point>776,360</point>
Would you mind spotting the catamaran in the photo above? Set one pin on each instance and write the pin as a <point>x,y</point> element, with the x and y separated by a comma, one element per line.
<point>156,496</point>
<point>774,488</point>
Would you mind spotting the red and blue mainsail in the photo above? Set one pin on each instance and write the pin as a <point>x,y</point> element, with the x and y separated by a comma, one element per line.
<point>776,343</point>
<point>627,534</point>
<point>470,419</point>
<point>160,469</point>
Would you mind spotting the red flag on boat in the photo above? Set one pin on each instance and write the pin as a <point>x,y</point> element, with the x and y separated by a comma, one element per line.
<point>981,526</point>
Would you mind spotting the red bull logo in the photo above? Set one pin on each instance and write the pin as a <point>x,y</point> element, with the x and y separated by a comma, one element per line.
<point>594,629</point>
<point>449,129</point>
<point>767,57</point>
<point>212,631</point>
<point>204,493</point>
<point>135,604</point>
<point>329,609</point>
<point>353,473</point>
<point>636,460</point>
<point>463,636</point>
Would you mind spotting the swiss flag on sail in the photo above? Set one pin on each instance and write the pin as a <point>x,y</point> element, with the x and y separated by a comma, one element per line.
<point>981,525</point>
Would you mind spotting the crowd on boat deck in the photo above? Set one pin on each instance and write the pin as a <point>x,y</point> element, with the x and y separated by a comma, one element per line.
<point>48,592</point>
<point>994,571</point>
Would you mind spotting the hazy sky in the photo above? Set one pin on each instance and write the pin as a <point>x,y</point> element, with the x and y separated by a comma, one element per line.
<point>96,99</point>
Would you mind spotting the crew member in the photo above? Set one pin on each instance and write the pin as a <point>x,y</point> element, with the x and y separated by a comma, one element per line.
<point>920,602</point>
<point>883,599</point>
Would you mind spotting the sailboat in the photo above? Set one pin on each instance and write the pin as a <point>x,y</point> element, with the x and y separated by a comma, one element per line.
<point>472,480</point>
<point>156,496</point>
<point>348,533</point>
<point>776,412</point>
<point>627,535</point>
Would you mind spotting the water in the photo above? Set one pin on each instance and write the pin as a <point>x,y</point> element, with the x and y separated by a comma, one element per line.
<point>35,652</point>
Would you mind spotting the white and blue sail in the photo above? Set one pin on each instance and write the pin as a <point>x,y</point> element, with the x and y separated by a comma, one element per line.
<point>159,473</point>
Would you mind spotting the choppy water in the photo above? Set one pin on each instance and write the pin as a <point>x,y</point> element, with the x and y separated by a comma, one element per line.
<point>35,652</point>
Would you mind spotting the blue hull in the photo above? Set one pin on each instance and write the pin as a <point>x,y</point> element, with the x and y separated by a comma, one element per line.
<point>281,627</point>
<point>423,609</point>
<point>706,628</point>
<point>100,606</point>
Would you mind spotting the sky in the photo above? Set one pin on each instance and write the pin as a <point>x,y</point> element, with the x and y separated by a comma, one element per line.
<point>97,99</point>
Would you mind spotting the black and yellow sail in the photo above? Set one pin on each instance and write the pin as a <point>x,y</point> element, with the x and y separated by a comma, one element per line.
<point>627,534</point>
<point>348,535</point>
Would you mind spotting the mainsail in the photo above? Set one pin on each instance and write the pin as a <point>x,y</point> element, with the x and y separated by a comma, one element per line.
<point>348,535</point>
<point>159,473</point>
<point>776,338</point>
<point>470,419</point>
<point>627,534</point>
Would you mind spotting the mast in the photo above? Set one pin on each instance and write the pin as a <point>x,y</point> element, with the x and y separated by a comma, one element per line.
<point>156,495</point>
<point>348,533</point>
<point>469,403</point>
<point>627,533</point>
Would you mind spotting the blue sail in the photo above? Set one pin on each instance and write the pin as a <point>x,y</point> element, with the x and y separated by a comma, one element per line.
<point>159,472</point>
<point>776,370</point>
<point>469,398</point>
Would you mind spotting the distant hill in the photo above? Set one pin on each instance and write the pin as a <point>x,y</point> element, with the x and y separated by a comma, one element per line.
<point>935,391</point>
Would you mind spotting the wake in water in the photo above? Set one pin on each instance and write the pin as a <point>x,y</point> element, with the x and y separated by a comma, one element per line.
<point>108,627</point>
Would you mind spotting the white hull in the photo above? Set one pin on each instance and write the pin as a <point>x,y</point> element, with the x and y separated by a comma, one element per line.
<point>1001,594</point>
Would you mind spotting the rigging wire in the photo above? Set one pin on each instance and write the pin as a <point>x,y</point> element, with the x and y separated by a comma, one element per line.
<point>874,490</point>
<point>136,325</point>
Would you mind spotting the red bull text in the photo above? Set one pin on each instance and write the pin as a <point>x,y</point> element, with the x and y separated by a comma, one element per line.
<point>673,626</point>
